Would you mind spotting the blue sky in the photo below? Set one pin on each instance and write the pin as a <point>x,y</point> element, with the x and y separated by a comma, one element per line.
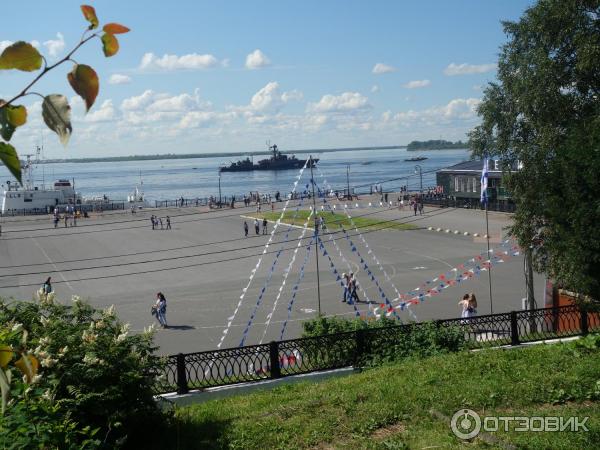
<point>196,76</point>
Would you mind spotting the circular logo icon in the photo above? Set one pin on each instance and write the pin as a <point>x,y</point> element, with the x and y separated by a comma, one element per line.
<point>465,424</point>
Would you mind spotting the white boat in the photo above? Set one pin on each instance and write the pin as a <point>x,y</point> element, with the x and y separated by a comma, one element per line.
<point>33,199</point>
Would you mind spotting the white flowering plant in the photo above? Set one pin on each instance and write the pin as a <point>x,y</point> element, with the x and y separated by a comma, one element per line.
<point>78,364</point>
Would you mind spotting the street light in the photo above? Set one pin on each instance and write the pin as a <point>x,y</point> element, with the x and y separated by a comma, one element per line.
<point>418,167</point>
<point>219,189</point>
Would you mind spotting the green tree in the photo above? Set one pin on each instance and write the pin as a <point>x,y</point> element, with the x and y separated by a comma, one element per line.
<point>56,111</point>
<point>543,115</point>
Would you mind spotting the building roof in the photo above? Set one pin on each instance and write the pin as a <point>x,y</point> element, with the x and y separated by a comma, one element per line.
<point>470,167</point>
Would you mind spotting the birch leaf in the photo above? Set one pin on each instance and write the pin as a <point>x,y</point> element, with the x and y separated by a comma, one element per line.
<point>57,115</point>
<point>8,155</point>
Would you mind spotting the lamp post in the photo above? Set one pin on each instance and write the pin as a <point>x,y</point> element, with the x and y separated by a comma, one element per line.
<point>219,189</point>
<point>348,181</point>
<point>418,167</point>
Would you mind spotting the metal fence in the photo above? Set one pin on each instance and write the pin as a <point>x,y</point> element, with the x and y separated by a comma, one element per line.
<point>501,206</point>
<point>183,372</point>
<point>87,207</point>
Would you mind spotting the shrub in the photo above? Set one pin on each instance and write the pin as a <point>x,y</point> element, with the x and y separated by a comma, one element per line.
<point>92,374</point>
<point>384,340</point>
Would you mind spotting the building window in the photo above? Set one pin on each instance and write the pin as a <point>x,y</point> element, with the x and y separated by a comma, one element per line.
<point>456,185</point>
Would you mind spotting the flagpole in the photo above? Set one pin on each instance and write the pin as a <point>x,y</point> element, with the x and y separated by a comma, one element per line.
<point>487,231</point>
<point>484,199</point>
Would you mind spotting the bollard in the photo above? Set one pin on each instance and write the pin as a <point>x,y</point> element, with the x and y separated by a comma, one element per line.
<point>182,387</point>
<point>274,357</point>
<point>514,329</point>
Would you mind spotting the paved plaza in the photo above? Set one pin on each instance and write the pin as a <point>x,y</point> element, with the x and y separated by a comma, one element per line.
<point>204,262</point>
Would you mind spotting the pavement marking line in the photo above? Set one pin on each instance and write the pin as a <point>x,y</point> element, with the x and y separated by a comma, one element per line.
<point>428,257</point>
<point>53,265</point>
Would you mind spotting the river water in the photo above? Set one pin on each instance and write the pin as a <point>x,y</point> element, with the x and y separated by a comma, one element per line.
<point>169,179</point>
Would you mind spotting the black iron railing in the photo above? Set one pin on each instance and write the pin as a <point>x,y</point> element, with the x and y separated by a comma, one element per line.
<point>183,372</point>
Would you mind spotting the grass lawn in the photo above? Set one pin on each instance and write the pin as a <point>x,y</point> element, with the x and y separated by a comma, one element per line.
<point>390,407</point>
<point>335,221</point>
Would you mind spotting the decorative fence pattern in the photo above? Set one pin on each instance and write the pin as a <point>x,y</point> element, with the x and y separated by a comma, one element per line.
<point>183,372</point>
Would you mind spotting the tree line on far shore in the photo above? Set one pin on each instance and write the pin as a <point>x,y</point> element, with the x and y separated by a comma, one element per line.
<point>438,144</point>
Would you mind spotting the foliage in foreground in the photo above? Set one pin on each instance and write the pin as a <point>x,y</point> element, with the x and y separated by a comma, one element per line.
<point>385,341</point>
<point>544,114</point>
<point>389,407</point>
<point>88,384</point>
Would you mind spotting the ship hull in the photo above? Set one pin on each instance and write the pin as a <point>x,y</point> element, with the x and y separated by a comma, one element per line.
<point>288,166</point>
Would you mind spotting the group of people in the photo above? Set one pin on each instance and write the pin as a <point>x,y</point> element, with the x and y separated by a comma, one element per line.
<point>350,288</point>
<point>157,221</point>
<point>265,225</point>
<point>468,305</point>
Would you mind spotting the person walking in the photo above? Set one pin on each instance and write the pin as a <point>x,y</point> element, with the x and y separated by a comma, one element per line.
<point>152,220</point>
<point>353,288</point>
<point>415,206</point>
<point>161,223</point>
<point>421,207</point>
<point>168,223</point>
<point>256,226</point>
<point>245,229</point>
<point>160,307</point>
<point>346,283</point>
<point>265,223</point>
<point>47,286</point>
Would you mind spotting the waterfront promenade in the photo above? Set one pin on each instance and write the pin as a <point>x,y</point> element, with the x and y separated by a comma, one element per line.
<point>202,292</point>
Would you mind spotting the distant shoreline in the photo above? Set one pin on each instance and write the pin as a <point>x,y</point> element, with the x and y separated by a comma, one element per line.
<point>210,155</point>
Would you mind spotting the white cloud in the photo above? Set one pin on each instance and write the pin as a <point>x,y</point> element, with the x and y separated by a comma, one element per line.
<point>192,61</point>
<point>468,69</point>
<point>293,95</point>
<point>348,101</point>
<point>4,44</point>
<point>139,102</point>
<point>417,84</point>
<point>458,109</point>
<point>197,119</point>
<point>117,78</point>
<point>55,46</point>
<point>375,88</point>
<point>383,68</point>
<point>105,113</point>
<point>257,60</point>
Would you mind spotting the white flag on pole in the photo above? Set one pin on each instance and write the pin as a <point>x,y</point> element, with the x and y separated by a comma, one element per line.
<point>484,181</point>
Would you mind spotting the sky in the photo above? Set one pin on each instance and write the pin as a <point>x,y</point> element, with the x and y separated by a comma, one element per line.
<point>227,76</point>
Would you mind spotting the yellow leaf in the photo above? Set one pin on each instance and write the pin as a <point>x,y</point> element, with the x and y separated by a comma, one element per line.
<point>110,44</point>
<point>16,115</point>
<point>21,56</point>
<point>28,365</point>
<point>90,15</point>
<point>6,355</point>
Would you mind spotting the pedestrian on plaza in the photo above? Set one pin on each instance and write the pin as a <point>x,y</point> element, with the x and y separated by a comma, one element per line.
<point>415,206</point>
<point>152,220</point>
<point>168,223</point>
<point>353,288</point>
<point>160,307</point>
<point>56,220</point>
<point>265,223</point>
<point>47,286</point>
<point>469,306</point>
<point>346,284</point>
<point>161,223</point>
<point>256,226</point>
<point>421,207</point>
<point>245,229</point>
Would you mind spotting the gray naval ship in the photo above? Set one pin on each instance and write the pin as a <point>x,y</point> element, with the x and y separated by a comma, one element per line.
<point>278,161</point>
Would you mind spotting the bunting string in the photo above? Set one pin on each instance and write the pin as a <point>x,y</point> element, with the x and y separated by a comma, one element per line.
<point>231,318</point>
<point>366,244</point>
<point>270,275</point>
<point>336,273</point>
<point>463,272</point>
<point>286,274</point>
<point>295,287</point>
